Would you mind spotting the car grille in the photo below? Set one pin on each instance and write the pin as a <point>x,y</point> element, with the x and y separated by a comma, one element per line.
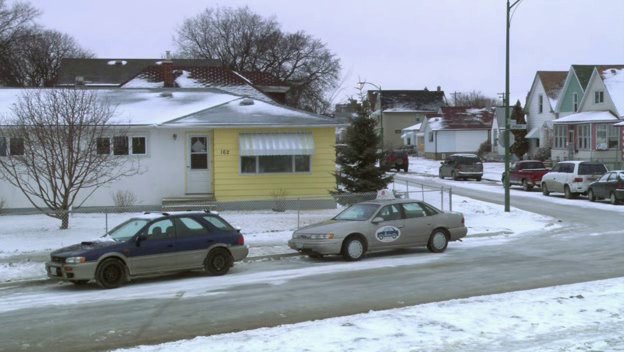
<point>60,260</point>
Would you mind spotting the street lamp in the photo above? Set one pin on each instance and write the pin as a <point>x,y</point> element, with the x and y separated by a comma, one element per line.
<point>506,103</point>
<point>360,86</point>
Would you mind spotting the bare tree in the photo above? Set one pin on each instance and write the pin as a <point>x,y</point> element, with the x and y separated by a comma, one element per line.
<point>245,41</point>
<point>474,99</point>
<point>59,147</point>
<point>40,55</point>
<point>16,22</point>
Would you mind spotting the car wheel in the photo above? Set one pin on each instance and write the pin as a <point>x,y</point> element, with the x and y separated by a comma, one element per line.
<point>478,179</point>
<point>613,199</point>
<point>111,273</point>
<point>218,262</point>
<point>545,189</point>
<point>353,249</point>
<point>80,282</point>
<point>440,174</point>
<point>567,193</point>
<point>525,186</point>
<point>591,196</point>
<point>454,176</point>
<point>405,169</point>
<point>438,241</point>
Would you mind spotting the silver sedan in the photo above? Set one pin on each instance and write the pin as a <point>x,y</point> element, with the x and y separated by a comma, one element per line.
<point>380,225</point>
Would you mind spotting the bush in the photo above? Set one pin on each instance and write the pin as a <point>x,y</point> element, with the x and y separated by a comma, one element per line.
<point>279,200</point>
<point>542,153</point>
<point>124,200</point>
<point>484,149</point>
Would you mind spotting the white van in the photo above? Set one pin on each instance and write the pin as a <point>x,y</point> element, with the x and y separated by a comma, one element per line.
<point>572,177</point>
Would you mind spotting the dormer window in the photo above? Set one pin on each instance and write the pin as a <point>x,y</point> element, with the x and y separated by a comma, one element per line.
<point>599,97</point>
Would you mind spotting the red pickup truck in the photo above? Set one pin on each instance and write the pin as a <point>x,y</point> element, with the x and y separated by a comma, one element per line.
<point>527,173</point>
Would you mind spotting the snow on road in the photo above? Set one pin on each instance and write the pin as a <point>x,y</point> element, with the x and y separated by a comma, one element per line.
<point>580,317</point>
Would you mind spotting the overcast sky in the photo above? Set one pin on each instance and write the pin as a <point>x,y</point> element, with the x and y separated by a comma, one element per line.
<point>398,44</point>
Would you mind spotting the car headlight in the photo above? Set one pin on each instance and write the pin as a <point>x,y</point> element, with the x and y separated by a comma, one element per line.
<point>75,260</point>
<point>315,236</point>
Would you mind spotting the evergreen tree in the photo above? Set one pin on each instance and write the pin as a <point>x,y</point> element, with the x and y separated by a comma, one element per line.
<point>521,144</point>
<point>358,161</point>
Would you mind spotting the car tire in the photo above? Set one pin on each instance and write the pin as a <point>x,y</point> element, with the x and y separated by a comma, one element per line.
<point>111,273</point>
<point>454,176</point>
<point>405,169</point>
<point>613,199</point>
<point>440,175</point>
<point>567,193</point>
<point>218,262</point>
<point>478,179</point>
<point>591,196</point>
<point>525,186</point>
<point>353,248</point>
<point>438,241</point>
<point>545,190</point>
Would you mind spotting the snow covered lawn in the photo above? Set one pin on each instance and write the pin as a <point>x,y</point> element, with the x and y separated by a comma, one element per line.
<point>580,317</point>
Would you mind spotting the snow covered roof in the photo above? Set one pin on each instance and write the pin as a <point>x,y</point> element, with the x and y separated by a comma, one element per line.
<point>415,127</point>
<point>205,107</point>
<point>587,117</point>
<point>613,78</point>
<point>248,112</point>
<point>462,118</point>
<point>196,77</point>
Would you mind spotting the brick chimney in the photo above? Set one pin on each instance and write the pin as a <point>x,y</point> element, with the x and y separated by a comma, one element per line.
<point>167,72</point>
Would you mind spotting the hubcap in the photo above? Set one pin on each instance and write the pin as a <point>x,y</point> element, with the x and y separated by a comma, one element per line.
<point>218,263</point>
<point>439,240</point>
<point>112,273</point>
<point>355,249</point>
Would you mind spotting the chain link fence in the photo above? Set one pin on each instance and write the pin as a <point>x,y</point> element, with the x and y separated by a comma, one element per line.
<point>287,213</point>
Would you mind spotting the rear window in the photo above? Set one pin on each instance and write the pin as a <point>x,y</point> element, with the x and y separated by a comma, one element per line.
<point>591,169</point>
<point>468,160</point>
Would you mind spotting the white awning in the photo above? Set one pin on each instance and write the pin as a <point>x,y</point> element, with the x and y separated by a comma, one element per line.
<point>259,144</point>
<point>534,133</point>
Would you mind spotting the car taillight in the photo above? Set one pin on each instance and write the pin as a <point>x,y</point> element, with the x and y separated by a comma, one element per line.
<point>578,179</point>
<point>241,240</point>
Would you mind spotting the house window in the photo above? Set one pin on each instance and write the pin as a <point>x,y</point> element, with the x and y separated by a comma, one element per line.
<point>599,96</point>
<point>583,137</point>
<point>575,101</point>
<point>121,145</point>
<point>275,164</point>
<point>430,136</point>
<point>15,146</point>
<point>495,142</point>
<point>561,133</point>
<point>606,137</point>
<point>540,104</point>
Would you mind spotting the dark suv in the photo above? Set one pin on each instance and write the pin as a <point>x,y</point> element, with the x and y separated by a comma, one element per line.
<point>396,159</point>
<point>151,244</point>
<point>461,166</point>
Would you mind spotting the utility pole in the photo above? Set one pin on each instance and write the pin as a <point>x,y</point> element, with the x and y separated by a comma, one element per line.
<point>506,103</point>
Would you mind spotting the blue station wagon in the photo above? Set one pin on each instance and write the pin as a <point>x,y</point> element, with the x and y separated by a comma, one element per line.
<point>151,244</point>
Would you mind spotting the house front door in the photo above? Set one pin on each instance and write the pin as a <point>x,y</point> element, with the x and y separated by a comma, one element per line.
<point>198,171</point>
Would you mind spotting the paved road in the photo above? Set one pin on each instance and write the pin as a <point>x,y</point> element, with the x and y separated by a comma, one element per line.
<point>586,247</point>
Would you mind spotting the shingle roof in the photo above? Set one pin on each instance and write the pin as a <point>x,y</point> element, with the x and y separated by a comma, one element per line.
<point>583,72</point>
<point>462,118</point>
<point>409,100</point>
<point>113,71</point>
<point>553,82</point>
<point>263,79</point>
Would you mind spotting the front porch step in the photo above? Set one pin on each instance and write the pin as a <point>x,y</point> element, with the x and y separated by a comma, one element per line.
<point>189,202</point>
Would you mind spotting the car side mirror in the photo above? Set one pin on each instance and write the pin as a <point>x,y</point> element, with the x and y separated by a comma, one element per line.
<point>377,220</point>
<point>139,239</point>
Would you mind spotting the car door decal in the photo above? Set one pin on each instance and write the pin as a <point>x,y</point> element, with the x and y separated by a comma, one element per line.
<point>387,234</point>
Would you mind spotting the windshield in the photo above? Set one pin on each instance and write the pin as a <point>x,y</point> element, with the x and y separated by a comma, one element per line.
<point>126,230</point>
<point>357,212</point>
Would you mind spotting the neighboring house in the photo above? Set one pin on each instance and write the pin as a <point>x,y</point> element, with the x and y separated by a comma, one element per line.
<point>540,107</point>
<point>590,133</point>
<point>410,134</point>
<point>398,109</point>
<point>497,133</point>
<point>169,73</point>
<point>456,130</point>
<point>573,89</point>
<point>204,145</point>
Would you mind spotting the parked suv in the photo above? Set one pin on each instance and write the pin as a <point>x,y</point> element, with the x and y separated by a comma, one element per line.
<point>572,177</point>
<point>462,166</point>
<point>397,159</point>
<point>151,244</point>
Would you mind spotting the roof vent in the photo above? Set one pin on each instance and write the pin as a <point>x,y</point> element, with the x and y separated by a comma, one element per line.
<point>166,94</point>
<point>246,101</point>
